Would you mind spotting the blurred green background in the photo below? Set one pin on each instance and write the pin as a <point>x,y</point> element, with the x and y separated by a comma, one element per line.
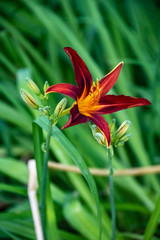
<point>105,32</point>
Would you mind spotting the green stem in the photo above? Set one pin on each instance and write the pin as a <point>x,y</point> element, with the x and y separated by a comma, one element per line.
<point>113,212</point>
<point>44,180</point>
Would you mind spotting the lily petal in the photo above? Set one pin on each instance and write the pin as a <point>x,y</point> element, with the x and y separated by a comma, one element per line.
<point>112,103</point>
<point>103,126</point>
<point>82,74</point>
<point>75,117</point>
<point>108,81</point>
<point>64,88</point>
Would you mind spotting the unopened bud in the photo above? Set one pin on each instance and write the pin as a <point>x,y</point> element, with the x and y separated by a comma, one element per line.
<point>43,147</point>
<point>112,125</point>
<point>43,111</point>
<point>60,107</point>
<point>100,138</point>
<point>94,129</point>
<point>28,99</point>
<point>46,86</point>
<point>119,143</point>
<point>33,86</point>
<point>126,137</point>
<point>121,130</point>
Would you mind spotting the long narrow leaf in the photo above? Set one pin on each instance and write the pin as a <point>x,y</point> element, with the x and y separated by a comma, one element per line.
<point>77,159</point>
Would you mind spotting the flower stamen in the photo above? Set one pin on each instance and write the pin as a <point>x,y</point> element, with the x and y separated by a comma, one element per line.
<point>87,105</point>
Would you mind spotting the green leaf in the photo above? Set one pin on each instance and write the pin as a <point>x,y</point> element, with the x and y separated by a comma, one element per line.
<point>38,154</point>
<point>50,210</point>
<point>11,115</point>
<point>13,189</point>
<point>14,169</point>
<point>79,217</point>
<point>153,222</point>
<point>7,233</point>
<point>42,121</point>
<point>21,228</point>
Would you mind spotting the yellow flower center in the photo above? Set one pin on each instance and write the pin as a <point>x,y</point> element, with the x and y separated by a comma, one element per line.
<point>89,104</point>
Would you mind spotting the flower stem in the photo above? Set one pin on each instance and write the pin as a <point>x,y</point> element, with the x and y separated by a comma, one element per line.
<point>44,180</point>
<point>113,212</point>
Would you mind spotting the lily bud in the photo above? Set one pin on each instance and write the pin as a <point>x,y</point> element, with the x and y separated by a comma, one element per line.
<point>121,130</point>
<point>60,107</point>
<point>100,138</point>
<point>43,111</point>
<point>94,129</point>
<point>33,86</point>
<point>28,99</point>
<point>46,86</point>
<point>43,147</point>
<point>119,143</point>
<point>112,125</point>
<point>126,137</point>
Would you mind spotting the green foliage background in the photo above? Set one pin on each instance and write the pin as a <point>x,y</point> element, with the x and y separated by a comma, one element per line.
<point>105,32</point>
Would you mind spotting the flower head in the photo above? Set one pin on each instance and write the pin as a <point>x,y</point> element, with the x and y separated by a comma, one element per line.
<point>90,97</point>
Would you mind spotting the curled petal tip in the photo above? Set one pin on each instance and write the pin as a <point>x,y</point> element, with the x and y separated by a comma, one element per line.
<point>65,48</point>
<point>144,101</point>
<point>119,65</point>
<point>148,102</point>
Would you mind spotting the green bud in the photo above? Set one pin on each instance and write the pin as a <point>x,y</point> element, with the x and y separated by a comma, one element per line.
<point>28,99</point>
<point>33,86</point>
<point>43,147</point>
<point>46,86</point>
<point>43,111</point>
<point>112,125</point>
<point>126,137</point>
<point>100,138</point>
<point>94,129</point>
<point>119,143</point>
<point>60,107</point>
<point>121,130</point>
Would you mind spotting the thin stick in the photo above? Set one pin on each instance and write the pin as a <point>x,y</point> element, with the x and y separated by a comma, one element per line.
<point>32,187</point>
<point>139,171</point>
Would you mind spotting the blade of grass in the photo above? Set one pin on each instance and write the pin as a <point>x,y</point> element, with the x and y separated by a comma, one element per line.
<point>43,122</point>
<point>153,222</point>
<point>7,233</point>
<point>13,189</point>
<point>20,228</point>
<point>35,54</point>
<point>51,224</point>
<point>11,115</point>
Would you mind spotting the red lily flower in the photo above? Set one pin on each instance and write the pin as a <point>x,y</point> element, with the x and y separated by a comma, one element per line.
<point>90,97</point>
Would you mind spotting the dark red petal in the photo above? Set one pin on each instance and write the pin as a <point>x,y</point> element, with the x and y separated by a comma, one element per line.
<point>64,88</point>
<point>112,103</point>
<point>108,81</point>
<point>75,117</point>
<point>103,126</point>
<point>82,74</point>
